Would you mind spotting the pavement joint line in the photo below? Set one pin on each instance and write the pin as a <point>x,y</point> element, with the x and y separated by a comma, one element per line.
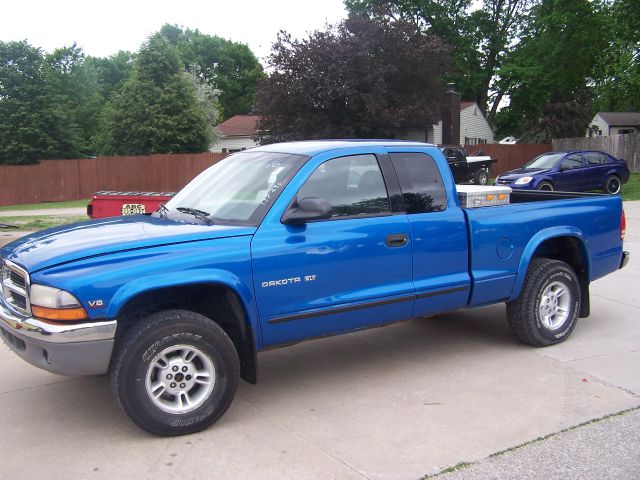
<point>305,439</point>
<point>159,458</point>
<point>462,465</point>
<point>565,364</point>
<point>40,385</point>
<point>602,355</point>
<point>615,300</point>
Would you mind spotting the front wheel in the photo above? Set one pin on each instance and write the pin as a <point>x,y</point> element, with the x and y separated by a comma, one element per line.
<point>612,184</point>
<point>546,186</point>
<point>175,373</point>
<point>547,309</point>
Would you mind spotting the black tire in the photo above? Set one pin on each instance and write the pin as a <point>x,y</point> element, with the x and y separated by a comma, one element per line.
<point>546,186</point>
<point>481,177</point>
<point>524,314</point>
<point>612,185</point>
<point>136,362</point>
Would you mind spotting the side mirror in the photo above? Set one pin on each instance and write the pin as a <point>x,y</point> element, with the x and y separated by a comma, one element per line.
<point>309,208</point>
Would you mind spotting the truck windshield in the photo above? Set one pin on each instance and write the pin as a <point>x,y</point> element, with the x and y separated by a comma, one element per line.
<point>239,188</point>
<point>546,160</point>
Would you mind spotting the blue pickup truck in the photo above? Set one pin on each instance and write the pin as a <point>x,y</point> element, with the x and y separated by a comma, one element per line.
<point>284,243</point>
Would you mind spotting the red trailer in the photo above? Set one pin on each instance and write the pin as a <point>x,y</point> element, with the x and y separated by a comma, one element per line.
<point>113,204</point>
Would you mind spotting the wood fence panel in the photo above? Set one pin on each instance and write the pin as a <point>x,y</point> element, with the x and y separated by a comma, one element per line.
<point>510,156</point>
<point>62,180</point>
<point>625,146</point>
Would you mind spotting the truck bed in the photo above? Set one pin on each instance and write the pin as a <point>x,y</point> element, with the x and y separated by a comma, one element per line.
<point>502,239</point>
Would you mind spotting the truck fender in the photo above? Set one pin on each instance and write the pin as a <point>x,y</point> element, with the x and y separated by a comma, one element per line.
<point>537,240</point>
<point>192,277</point>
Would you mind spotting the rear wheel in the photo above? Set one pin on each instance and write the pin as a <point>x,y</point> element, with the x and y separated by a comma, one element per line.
<point>481,177</point>
<point>547,309</point>
<point>546,186</point>
<point>175,373</point>
<point>612,184</point>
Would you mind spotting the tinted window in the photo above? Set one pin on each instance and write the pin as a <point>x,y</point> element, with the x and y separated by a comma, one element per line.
<point>420,181</point>
<point>572,161</point>
<point>352,186</point>
<point>595,158</point>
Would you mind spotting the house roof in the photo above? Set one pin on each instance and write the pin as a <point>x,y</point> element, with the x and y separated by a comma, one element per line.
<point>464,105</point>
<point>239,125</point>
<point>620,118</point>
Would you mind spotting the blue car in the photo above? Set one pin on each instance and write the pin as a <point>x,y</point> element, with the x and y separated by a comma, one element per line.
<point>570,171</point>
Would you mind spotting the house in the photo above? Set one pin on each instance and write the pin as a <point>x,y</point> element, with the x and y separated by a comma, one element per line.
<point>614,123</point>
<point>235,134</point>
<point>474,128</point>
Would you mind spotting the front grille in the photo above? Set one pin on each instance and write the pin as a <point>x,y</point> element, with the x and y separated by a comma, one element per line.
<point>15,287</point>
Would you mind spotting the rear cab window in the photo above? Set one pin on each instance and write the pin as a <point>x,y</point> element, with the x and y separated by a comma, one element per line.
<point>420,182</point>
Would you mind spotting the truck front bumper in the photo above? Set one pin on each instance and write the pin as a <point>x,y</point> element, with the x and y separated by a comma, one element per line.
<point>81,349</point>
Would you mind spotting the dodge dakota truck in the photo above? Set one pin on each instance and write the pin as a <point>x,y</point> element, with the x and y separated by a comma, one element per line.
<point>284,243</point>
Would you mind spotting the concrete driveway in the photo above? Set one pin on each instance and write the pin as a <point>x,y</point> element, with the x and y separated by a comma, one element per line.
<point>397,402</point>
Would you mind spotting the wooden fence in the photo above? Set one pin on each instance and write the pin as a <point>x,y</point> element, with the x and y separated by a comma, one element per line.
<point>61,180</point>
<point>509,156</point>
<point>621,146</point>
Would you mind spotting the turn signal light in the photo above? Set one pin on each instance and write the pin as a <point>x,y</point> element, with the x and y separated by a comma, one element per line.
<point>58,314</point>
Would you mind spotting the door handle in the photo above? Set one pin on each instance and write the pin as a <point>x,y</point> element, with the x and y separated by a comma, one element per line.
<point>396,240</point>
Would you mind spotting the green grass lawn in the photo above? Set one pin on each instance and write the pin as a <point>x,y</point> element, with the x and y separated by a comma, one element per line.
<point>631,189</point>
<point>37,222</point>
<point>38,206</point>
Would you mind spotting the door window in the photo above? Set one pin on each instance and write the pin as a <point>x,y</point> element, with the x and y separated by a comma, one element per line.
<point>595,158</point>
<point>571,162</point>
<point>420,182</point>
<point>352,185</point>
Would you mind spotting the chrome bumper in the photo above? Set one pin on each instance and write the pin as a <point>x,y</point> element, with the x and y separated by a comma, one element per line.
<point>82,349</point>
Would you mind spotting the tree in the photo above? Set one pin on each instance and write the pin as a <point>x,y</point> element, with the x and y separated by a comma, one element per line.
<point>551,71</point>
<point>227,66</point>
<point>37,107</point>
<point>618,82</point>
<point>362,78</point>
<point>479,38</point>
<point>156,109</point>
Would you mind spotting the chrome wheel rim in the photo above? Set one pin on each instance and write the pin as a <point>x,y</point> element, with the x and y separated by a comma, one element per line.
<point>554,306</point>
<point>482,178</point>
<point>613,185</point>
<point>180,379</point>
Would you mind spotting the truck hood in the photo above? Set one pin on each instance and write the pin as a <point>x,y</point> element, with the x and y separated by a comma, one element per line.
<point>98,237</point>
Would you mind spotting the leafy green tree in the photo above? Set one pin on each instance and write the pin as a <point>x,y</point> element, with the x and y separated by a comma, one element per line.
<point>480,38</point>
<point>227,66</point>
<point>618,82</point>
<point>551,71</point>
<point>39,104</point>
<point>156,109</point>
<point>362,78</point>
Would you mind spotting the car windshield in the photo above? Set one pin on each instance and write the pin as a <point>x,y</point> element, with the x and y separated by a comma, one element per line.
<point>234,189</point>
<point>546,160</point>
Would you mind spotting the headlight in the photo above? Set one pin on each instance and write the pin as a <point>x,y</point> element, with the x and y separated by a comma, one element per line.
<point>523,180</point>
<point>54,304</point>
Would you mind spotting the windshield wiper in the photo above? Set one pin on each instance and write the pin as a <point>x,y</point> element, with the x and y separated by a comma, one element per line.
<point>163,210</point>
<point>200,214</point>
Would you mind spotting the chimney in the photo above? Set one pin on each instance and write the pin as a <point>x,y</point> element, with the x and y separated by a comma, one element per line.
<point>451,116</point>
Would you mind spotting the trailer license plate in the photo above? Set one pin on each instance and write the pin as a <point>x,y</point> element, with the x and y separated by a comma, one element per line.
<point>133,209</point>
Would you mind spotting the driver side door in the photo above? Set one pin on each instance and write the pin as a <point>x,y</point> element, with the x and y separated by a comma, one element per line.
<point>338,274</point>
